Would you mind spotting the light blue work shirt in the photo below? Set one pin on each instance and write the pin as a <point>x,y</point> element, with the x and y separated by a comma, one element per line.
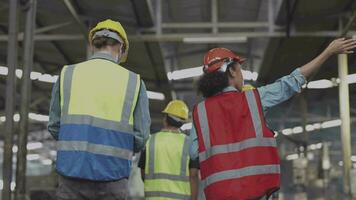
<point>271,95</point>
<point>142,119</point>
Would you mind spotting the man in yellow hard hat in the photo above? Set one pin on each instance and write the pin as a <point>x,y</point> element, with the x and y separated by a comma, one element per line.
<point>167,170</point>
<point>99,116</point>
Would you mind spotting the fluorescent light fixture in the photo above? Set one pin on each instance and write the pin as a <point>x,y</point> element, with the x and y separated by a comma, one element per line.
<point>32,116</point>
<point>33,156</point>
<point>198,71</point>
<point>248,75</point>
<point>320,84</point>
<point>312,127</point>
<point>17,117</point>
<point>3,70</point>
<point>12,186</point>
<point>38,117</point>
<point>18,73</point>
<point>351,78</point>
<point>187,126</point>
<point>155,95</point>
<point>315,146</point>
<point>298,129</point>
<point>35,75</point>
<point>185,73</point>
<point>47,162</point>
<point>292,156</point>
<point>207,40</point>
<point>353,158</point>
<point>48,78</point>
<point>287,131</point>
<point>34,145</point>
<point>15,149</point>
<point>332,123</point>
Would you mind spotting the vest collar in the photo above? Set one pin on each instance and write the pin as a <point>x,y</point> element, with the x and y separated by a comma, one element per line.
<point>103,55</point>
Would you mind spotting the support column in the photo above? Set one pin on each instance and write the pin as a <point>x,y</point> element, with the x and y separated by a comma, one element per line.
<point>30,9</point>
<point>344,105</point>
<point>158,17</point>
<point>214,15</point>
<point>10,100</point>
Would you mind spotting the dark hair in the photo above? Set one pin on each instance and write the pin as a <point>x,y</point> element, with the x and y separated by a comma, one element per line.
<point>101,42</point>
<point>173,122</point>
<point>213,83</point>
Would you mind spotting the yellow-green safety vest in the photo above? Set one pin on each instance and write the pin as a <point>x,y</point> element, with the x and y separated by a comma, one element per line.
<point>167,167</point>
<point>96,135</point>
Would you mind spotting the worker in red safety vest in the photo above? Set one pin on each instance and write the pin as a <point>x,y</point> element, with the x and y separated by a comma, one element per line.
<point>237,152</point>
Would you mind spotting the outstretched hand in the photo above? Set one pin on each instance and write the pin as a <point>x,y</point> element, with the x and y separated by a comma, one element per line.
<point>341,46</point>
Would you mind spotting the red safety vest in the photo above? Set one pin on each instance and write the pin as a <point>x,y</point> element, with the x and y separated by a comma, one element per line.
<point>237,152</point>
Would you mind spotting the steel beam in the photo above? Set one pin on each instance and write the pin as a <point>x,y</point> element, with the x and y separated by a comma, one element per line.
<point>10,100</point>
<point>270,16</point>
<point>178,37</point>
<point>214,16</point>
<point>82,26</point>
<point>158,24</point>
<point>200,25</point>
<point>20,193</point>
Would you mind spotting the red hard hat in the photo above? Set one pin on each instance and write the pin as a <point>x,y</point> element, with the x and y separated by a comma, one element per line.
<point>215,59</point>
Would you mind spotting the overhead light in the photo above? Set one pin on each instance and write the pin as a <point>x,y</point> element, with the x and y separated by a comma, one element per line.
<point>187,126</point>
<point>332,123</point>
<point>353,158</point>
<point>33,156</point>
<point>38,117</point>
<point>198,71</point>
<point>34,145</point>
<point>207,40</point>
<point>185,73</point>
<point>312,127</point>
<point>48,78</point>
<point>351,78</point>
<point>3,70</point>
<point>47,162</point>
<point>320,84</point>
<point>287,131</point>
<point>155,95</point>
<point>292,156</point>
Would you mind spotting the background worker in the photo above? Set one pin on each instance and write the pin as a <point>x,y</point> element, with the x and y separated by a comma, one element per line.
<point>165,162</point>
<point>237,152</point>
<point>99,116</point>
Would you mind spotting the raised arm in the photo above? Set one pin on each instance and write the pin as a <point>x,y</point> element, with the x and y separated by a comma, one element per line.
<point>338,46</point>
<point>284,88</point>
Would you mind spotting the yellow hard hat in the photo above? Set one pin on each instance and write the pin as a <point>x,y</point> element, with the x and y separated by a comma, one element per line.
<point>177,108</point>
<point>247,87</point>
<point>112,26</point>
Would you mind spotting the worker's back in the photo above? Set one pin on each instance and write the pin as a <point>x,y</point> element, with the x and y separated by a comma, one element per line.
<point>98,98</point>
<point>237,152</point>
<point>166,171</point>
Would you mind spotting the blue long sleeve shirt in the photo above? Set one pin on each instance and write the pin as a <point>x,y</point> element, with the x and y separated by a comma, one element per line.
<point>142,119</point>
<point>271,95</point>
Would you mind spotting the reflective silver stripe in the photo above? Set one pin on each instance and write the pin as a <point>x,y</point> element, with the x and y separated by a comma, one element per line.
<point>167,176</point>
<point>238,146</point>
<point>167,195</point>
<point>67,86</point>
<point>203,121</point>
<point>183,167</point>
<point>239,173</point>
<point>129,98</point>
<point>94,148</point>
<point>97,122</point>
<point>151,158</point>
<point>256,120</point>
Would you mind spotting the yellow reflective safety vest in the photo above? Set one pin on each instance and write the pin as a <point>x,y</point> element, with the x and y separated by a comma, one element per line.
<point>167,167</point>
<point>96,137</point>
